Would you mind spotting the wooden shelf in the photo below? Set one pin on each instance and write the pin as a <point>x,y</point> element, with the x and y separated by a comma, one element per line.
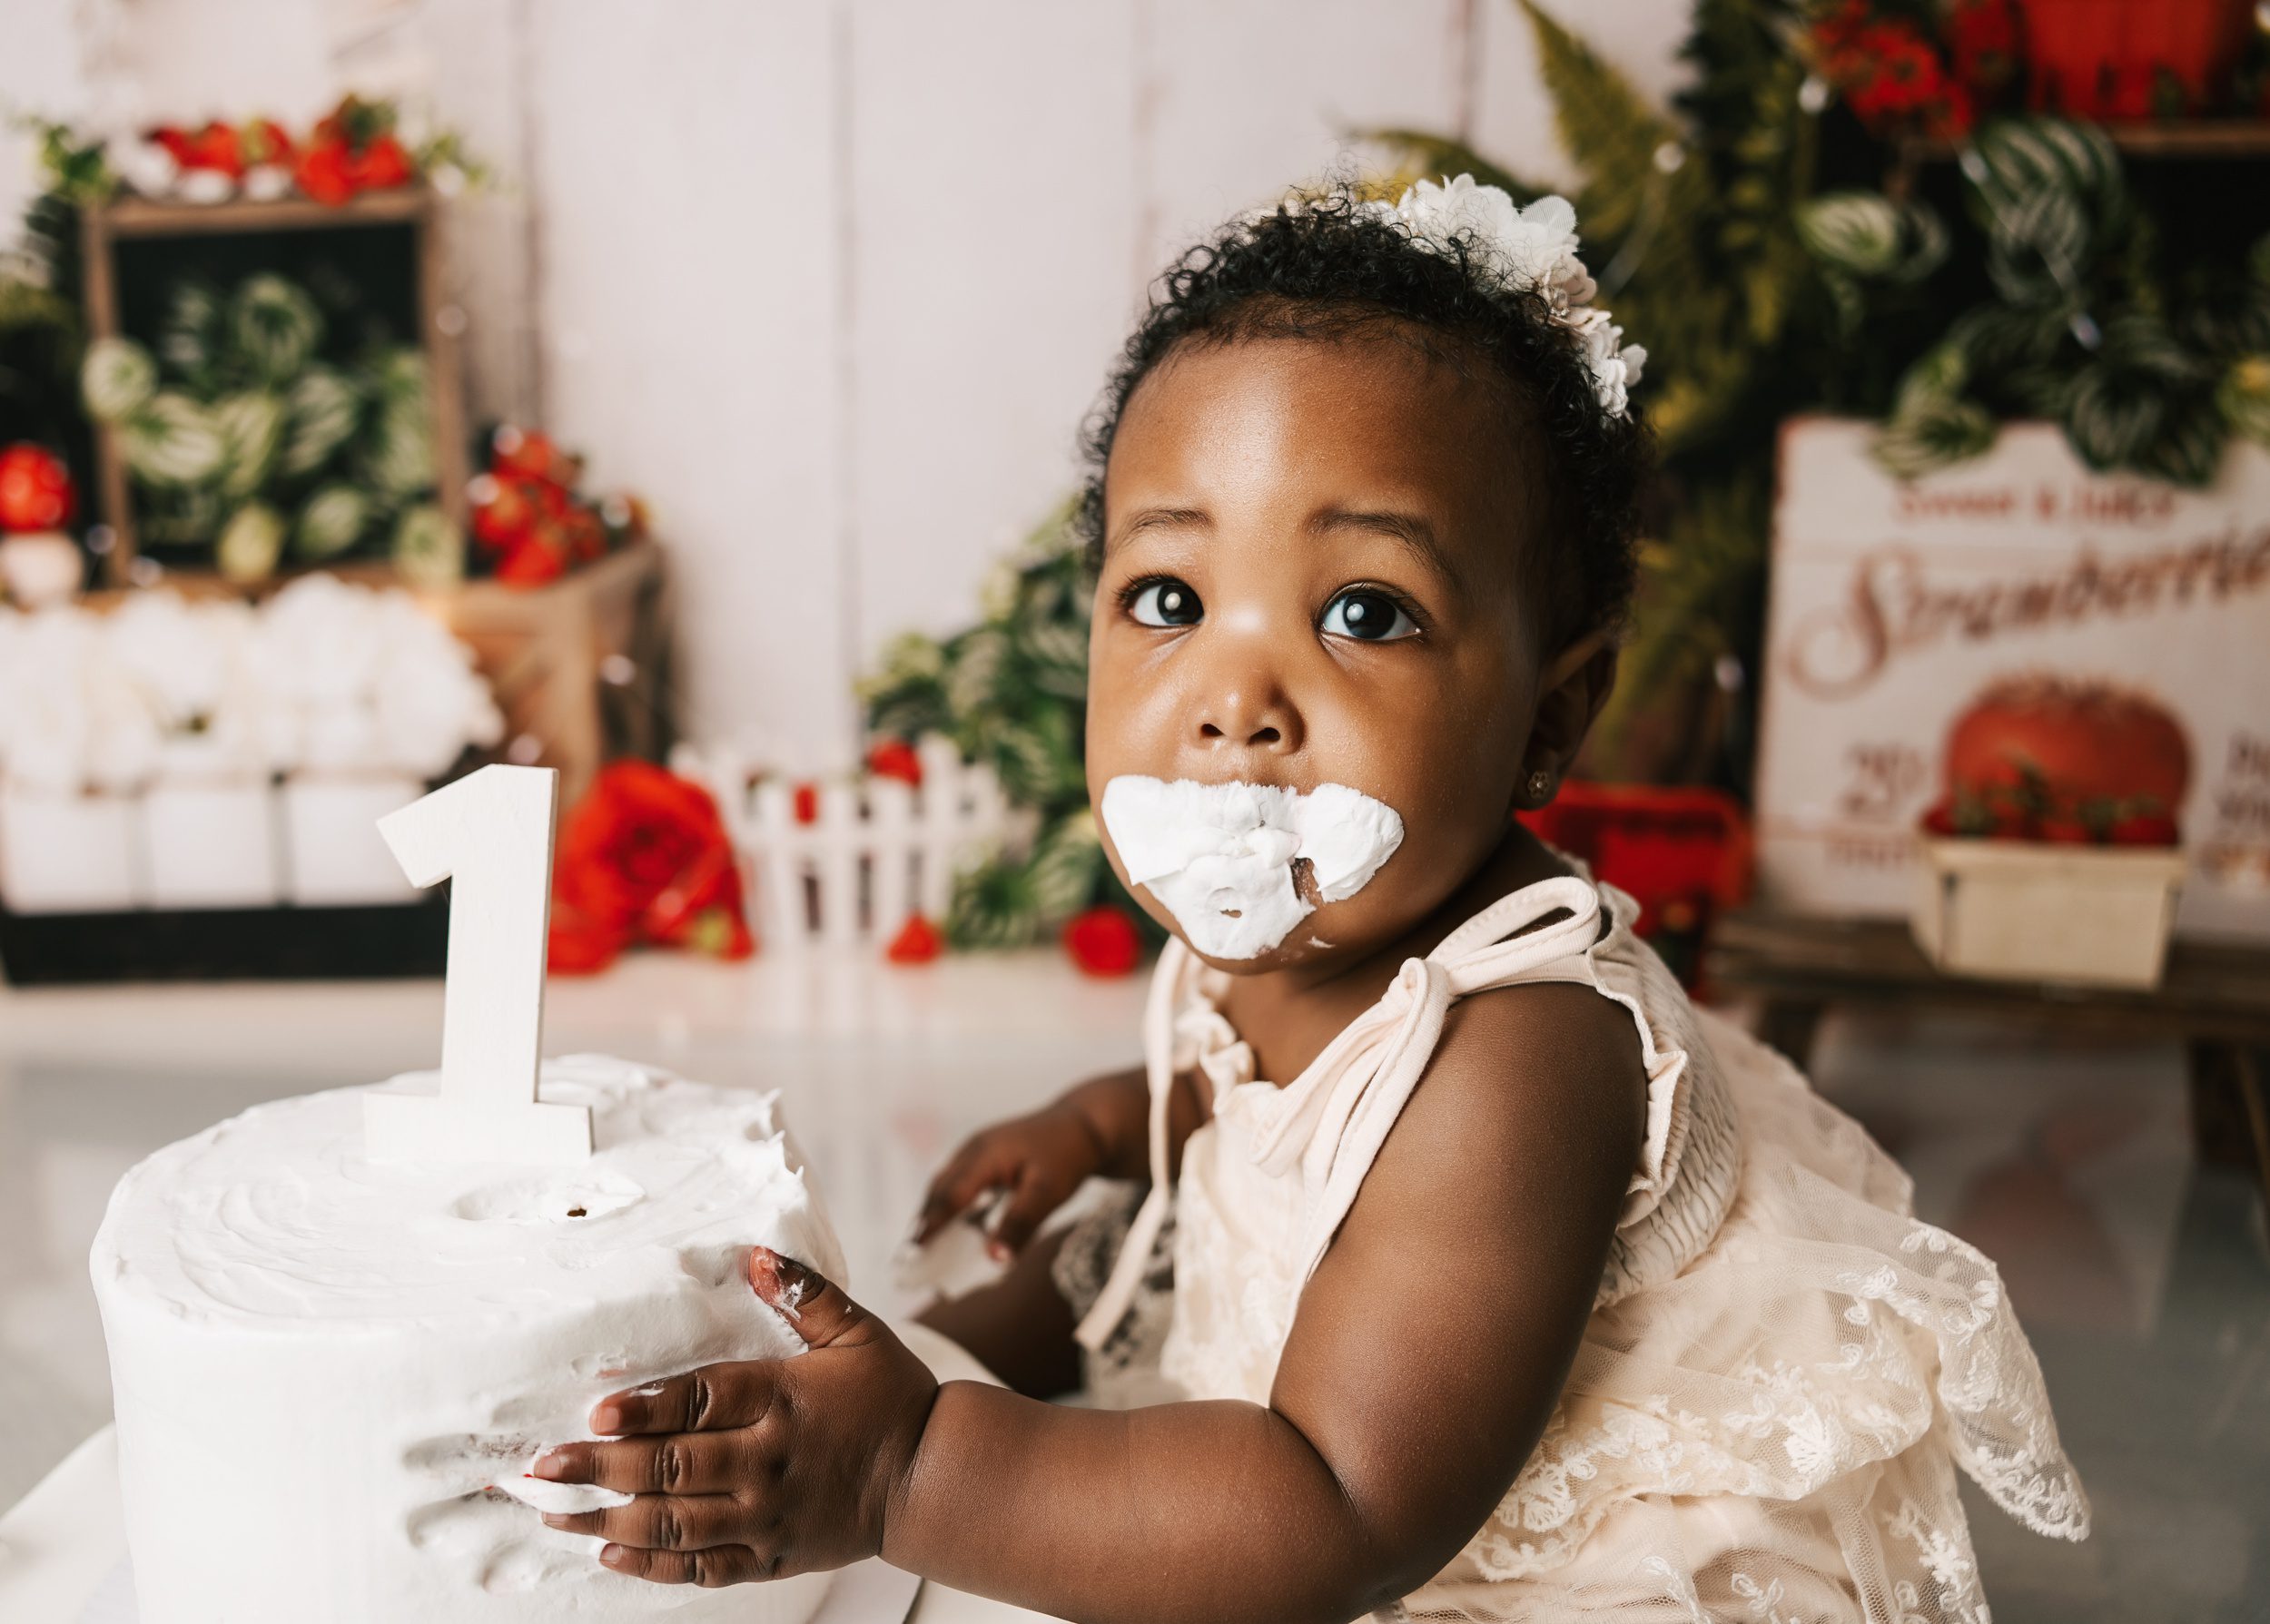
<point>154,217</point>
<point>2202,138</point>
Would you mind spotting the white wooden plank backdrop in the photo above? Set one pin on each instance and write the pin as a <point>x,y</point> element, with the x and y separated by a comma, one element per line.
<point>830,281</point>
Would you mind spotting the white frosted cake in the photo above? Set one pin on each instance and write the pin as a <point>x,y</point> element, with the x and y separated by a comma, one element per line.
<point>331,1374</point>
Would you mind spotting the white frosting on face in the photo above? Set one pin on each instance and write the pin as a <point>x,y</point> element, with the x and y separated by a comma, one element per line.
<point>331,1374</point>
<point>1220,856</point>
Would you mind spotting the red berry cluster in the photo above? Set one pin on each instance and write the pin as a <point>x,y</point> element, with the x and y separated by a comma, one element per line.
<point>352,149</point>
<point>528,515</point>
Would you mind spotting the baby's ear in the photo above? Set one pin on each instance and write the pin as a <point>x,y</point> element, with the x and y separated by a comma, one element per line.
<point>1575,683</point>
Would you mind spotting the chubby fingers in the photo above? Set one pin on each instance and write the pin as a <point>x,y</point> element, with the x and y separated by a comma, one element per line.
<point>964,1180</point>
<point>714,1399</point>
<point>1034,1197</point>
<point>664,1522</point>
<point>679,1463</point>
<point>720,1565</point>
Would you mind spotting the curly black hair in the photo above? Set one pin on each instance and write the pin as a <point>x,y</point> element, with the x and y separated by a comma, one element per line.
<point>1326,267</point>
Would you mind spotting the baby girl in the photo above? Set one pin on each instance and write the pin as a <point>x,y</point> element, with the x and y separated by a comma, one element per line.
<point>1479,1275</point>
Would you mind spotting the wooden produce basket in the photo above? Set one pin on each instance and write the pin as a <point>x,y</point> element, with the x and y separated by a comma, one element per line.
<point>2020,910</point>
<point>582,665</point>
<point>411,213</point>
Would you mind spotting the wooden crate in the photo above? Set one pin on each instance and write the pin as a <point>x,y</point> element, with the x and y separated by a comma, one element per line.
<point>104,226</point>
<point>547,651</point>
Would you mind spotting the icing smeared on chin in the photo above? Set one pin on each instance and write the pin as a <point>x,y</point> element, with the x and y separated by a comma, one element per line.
<point>1239,865</point>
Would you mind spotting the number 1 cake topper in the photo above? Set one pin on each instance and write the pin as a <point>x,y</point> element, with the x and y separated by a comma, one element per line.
<point>491,834</point>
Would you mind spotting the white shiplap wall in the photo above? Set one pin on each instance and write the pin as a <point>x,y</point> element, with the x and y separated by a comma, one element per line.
<point>832,281</point>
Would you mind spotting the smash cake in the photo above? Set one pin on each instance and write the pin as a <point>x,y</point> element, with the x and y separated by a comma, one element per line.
<point>331,1373</point>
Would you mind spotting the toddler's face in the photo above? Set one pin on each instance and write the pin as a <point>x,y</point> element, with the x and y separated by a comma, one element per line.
<point>1313,575</point>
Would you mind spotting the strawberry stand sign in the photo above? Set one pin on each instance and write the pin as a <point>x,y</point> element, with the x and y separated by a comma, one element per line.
<point>2014,649</point>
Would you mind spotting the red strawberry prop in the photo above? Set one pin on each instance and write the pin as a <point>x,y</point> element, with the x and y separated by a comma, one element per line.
<point>895,758</point>
<point>524,454</point>
<point>537,559</point>
<point>215,147</point>
<point>35,491</point>
<point>322,171</point>
<point>265,140</point>
<point>1103,941</point>
<point>502,513</point>
<point>917,943</point>
<point>380,166</point>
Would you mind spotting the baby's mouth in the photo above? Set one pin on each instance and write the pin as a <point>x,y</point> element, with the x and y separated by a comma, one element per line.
<point>1239,864</point>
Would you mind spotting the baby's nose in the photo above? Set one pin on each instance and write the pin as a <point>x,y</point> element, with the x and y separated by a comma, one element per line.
<point>1250,711</point>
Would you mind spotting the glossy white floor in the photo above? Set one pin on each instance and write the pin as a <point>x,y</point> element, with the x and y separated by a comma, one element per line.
<point>2143,1281</point>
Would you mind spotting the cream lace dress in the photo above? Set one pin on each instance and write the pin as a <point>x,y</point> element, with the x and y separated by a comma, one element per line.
<point>1783,1369</point>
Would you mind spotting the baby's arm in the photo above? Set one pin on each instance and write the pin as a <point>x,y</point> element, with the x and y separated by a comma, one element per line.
<point>1101,1128</point>
<point>1020,1326</point>
<point>1427,1355</point>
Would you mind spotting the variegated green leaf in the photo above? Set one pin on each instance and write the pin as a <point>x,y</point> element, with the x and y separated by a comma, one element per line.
<point>117,380</point>
<point>251,427</point>
<point>324,409</point>
<point>274,327</point>
<point>172,441</point>
<point>332,523</point>
<point>428,551</point>
<point>250,544</point>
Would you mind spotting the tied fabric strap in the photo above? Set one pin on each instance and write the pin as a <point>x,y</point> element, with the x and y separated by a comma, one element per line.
<point>1118,1294</point>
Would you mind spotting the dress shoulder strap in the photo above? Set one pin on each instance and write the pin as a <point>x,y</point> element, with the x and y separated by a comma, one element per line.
<point>1332,1119</point>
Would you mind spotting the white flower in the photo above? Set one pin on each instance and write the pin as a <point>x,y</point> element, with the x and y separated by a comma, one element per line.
<point>1531,249</point>
<point>147,168</point>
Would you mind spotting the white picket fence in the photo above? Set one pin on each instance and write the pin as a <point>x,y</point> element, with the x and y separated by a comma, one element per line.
<point>876,849</point>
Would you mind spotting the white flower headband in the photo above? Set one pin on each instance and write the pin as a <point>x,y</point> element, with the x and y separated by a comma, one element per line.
<point>1528,249</point>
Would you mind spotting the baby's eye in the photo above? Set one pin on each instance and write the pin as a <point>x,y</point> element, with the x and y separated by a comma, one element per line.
<point>1166,603</point>
<point>1370,616</point>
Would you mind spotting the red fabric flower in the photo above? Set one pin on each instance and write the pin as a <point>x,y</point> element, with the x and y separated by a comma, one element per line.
<point>917,943</point>
<point>35,491</point>
<point>895,758</point>
<point>1103,941</point>
<point>644,858</point>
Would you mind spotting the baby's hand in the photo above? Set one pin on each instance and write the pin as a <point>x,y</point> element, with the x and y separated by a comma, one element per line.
<point>1038,1161</point>
<point>763,1468</point>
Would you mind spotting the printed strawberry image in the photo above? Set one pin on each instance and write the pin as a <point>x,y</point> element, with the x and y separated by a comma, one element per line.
<point>2042,757</point>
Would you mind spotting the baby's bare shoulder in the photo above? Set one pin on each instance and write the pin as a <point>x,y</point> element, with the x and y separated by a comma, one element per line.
<point>1522,1069</point>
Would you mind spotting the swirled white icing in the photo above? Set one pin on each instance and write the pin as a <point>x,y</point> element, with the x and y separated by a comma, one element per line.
<point>331,1375</point>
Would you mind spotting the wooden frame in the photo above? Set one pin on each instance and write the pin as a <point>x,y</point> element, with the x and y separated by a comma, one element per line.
<point>104,226</point>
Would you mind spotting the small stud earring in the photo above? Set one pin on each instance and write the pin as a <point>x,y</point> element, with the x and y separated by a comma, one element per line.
<point>1540,787</point>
